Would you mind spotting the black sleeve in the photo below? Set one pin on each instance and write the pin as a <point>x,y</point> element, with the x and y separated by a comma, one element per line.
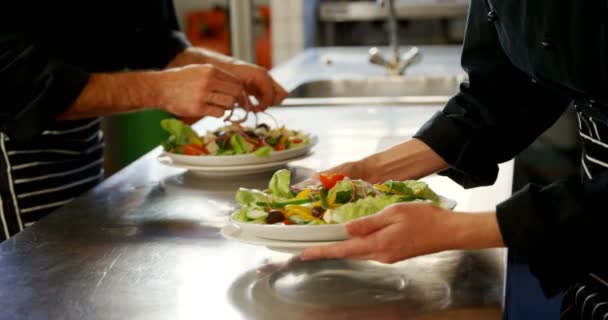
<point>33,87</point>
<point>497,114</point>
<point>158,36</point>
<point>559,230</point>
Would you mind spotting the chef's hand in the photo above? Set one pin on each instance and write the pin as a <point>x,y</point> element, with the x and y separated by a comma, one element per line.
<point>198,90</point>
<point>406,230</point>
<point>258,83</point>
<point>412,159</point>
<point>256,80</point>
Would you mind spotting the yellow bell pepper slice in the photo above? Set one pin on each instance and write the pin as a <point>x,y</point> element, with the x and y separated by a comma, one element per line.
<point>303,194</point>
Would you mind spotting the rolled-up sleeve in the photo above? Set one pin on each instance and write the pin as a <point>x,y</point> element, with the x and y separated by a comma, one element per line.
<point>498,112</point>
<point>35,88</point>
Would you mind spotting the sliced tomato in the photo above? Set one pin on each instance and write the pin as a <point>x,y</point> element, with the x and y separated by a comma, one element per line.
<point>281,144</point>
<point>329,180</point>
<point>194,150</point>
<point>287,221</point>
<point>295,140</point>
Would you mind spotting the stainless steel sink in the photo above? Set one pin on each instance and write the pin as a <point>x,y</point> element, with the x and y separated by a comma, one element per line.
<point>408,89</point>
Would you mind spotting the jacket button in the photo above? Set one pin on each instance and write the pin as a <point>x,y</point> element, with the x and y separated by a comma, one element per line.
<point>492,16</point>
<point>545,44</point>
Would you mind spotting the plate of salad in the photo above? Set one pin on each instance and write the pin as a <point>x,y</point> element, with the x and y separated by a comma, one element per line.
<point>234,144</point>
<point>319,211</point>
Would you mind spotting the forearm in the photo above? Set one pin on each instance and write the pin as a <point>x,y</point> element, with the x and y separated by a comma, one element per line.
<point>197,55</point>
<point>109,93</point>
<point>410,160</point>
<point>469,231</point>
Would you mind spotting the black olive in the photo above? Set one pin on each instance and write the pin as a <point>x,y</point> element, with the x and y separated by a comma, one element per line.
<point>263,125</point>
<point>317,211</point>
<point>251,134</point>
<point>275,216</point>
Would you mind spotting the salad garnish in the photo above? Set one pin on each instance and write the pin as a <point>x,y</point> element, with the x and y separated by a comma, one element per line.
<point>231,139</point>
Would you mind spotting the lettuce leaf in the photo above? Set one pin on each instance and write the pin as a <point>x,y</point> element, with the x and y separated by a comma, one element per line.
<point>250,213</point>
<point>246,197</point>
<point>360,208</point>
<point>422,190</point>
<point>180,133</point>
<point>263,152</point>
<point>239,145</point>
<point>279,184</point>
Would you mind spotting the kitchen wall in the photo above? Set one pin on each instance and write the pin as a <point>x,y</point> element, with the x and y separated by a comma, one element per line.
<point>287,16</point>
<point>183,6</point>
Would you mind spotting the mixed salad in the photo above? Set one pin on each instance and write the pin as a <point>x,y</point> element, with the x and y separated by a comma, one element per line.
<point>232,139</point>
<point>335,199</point>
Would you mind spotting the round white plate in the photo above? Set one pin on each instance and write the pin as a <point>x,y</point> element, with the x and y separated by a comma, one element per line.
<point>230,171</point>
<point>233,232</point>
<point>324,232</point>
<point>239,160</point>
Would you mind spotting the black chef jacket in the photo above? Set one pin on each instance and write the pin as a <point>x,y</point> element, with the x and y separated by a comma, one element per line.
<point>48,49</point>
<point>526,61</point>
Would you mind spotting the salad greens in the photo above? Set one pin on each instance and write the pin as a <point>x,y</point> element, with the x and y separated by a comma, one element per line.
<point>233,139</point>
<point>335,199</point>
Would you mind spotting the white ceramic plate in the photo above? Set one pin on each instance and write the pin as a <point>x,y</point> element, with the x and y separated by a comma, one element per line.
<point>230,171</point>
<point>240,160</point>
<point>233,232</point>
<point>324,232</point>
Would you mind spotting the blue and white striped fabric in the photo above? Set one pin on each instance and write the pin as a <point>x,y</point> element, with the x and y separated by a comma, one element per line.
<point>41,175</point>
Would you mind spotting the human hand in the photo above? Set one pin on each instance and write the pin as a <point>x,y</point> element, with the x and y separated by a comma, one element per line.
<point>406,230</point>
<point>258,83</point>
<point>398,232</point>
<point>198,90</point>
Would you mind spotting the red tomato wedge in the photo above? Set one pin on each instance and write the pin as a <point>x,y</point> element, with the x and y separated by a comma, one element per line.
<point>194,150</point>
<point>330,180</point>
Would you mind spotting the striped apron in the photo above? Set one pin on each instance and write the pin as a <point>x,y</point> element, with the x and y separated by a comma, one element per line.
<point>588,299</point>
<point>47,172</point>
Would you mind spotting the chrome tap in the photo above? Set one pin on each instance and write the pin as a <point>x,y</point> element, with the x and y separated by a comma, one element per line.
<point>398,63</point>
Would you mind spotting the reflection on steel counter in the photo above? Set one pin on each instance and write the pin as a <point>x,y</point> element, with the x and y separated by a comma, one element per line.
<point>349,289</point>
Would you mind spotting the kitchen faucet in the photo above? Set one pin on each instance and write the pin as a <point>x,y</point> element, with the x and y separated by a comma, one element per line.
<point>398,64</point>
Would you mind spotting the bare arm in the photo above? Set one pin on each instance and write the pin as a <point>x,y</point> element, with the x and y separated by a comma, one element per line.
<point>190,91</point>
<point>412,159</point>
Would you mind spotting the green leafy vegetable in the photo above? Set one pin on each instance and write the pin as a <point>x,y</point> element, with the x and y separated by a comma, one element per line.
<point>279,184</point>
<point>263,152</point>
<point>238,144</point>
<point>360,208</point>
<point>342,192</point>
<point>180,133</point>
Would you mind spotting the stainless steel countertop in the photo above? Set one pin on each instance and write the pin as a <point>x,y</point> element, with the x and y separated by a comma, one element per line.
<point>145,245</point>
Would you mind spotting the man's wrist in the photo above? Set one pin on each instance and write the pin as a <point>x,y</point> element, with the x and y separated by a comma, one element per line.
<point>108,93</point>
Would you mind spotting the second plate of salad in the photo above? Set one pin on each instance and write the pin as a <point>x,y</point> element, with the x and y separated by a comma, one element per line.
<point>234,144</point>
<point>318,212</point>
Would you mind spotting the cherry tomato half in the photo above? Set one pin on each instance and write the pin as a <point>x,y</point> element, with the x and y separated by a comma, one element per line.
<point>329,180</point>
<point>194,150</point>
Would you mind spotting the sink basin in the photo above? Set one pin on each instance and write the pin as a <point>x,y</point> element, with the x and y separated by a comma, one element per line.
<point>379,87</point>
